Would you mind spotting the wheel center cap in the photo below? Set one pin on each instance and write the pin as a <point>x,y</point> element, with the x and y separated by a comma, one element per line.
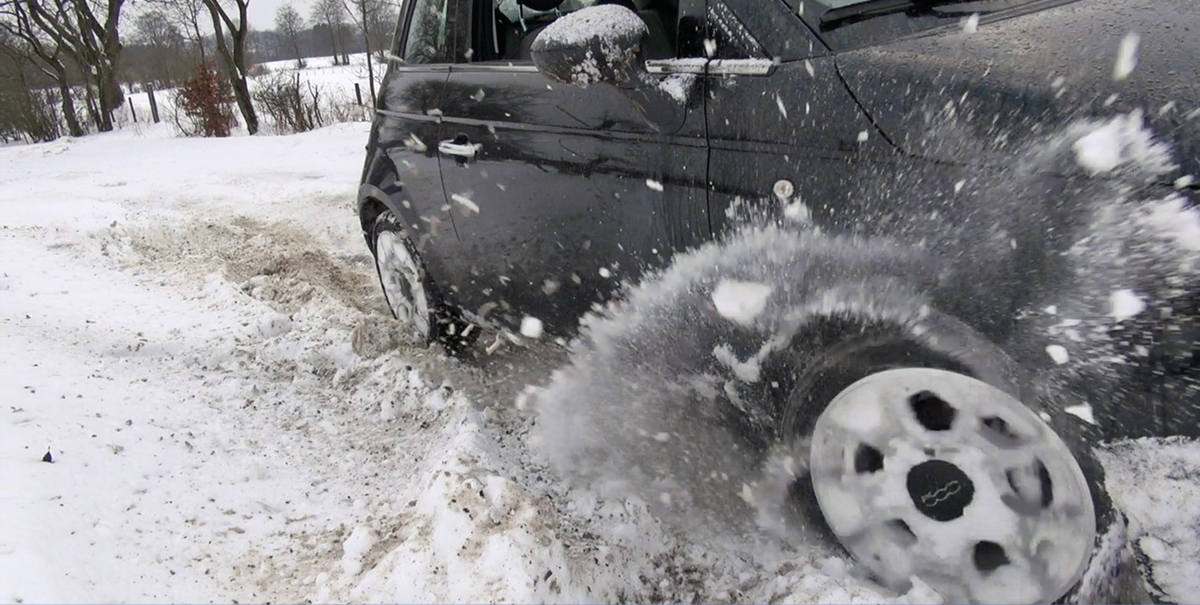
<point>940,490</point>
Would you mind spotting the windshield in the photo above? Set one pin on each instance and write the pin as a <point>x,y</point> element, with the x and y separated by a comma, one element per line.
<point>882,27</point>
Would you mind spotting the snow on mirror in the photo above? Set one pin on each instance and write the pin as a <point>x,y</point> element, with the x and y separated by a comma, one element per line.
<point>593,45</point>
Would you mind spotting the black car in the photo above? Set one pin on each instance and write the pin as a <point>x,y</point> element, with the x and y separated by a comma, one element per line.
<point>984,210</point>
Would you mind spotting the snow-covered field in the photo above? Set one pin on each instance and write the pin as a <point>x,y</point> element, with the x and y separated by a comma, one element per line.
<point>191,330</point>
<point>334,84</point>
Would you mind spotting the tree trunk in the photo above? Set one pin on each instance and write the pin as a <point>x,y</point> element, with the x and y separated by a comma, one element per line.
<point>234,60</point>
<point>68,108</point>
<point>333,40</point>
<point>199,42</point>
<point>90,103</point>
<point>367,40</point>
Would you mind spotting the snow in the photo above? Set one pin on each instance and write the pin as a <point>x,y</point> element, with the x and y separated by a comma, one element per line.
<point>193,329</point>
<point>1121,141</point>
<point>1100,151</point>
<point>654,185</point>
<point>604,22</point>
<point>531,327</point>
<point>1083,412</point>
<point>971,24</point>
<point>466,202</point>
<point>1058,353</point>
<point>1127,56</point>
<point>740,301</point>
<point>1125,304</point>
<point>1157,483</point>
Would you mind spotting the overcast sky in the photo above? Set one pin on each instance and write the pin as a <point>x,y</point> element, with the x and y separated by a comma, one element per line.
<point>262,12</point>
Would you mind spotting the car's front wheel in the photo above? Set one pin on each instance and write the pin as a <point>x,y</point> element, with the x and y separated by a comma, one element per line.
<point>411,294</point>
<point>932,456</point>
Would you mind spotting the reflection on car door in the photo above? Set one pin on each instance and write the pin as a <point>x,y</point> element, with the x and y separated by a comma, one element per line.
<point>404,169</point>
<point>558,192</point>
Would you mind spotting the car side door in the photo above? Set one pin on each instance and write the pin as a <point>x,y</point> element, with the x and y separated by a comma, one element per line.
<point>403,172</point>
<point>783,130</point>
<point>558,192</point>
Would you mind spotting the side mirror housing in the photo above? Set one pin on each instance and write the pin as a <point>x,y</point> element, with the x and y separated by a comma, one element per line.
<point>589,46</point>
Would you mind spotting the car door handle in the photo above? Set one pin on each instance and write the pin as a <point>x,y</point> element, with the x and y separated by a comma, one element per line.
<point>459,147</point>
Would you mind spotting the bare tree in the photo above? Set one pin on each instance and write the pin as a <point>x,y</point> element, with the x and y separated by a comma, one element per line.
<point>369,17</point>
<point>187,15</point>
<point>26,107</point>
<point>332,13</point>
<point>156,29</point>
<point>289,23</point>
<point>231,46</point>
<point>49,56</point>
<point>93,43</point>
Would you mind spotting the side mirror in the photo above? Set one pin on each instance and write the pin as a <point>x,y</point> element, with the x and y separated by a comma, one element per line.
<point>589,46</point>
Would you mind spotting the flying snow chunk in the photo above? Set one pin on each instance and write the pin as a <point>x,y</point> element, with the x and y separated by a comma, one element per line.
<point>1058,353</point>
<point>863,136</point>
<point>740,301</point>
<point>654,185</point>
<point>971,25</point>
<point>1100,150</point>
<point>531,327</point>
<point>1125,304</point>
<point>1082,411</point>
<point>1127,56</point>
<point>465,202</point>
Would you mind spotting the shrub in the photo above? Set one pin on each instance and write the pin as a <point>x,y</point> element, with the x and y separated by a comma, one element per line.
<point>206,100</point>
<point>289,106</point>
<point>30,113</point>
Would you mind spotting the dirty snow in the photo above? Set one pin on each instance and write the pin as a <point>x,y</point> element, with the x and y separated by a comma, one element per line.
<point>193,329</point>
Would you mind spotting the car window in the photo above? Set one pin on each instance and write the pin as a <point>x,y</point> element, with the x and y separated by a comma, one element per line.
<point>858,33</point>
<point>504,30</point>
<point>728,38</point>
<point>430,32</point>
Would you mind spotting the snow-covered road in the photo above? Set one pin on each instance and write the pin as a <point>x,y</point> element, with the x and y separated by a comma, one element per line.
<point>191,329</point>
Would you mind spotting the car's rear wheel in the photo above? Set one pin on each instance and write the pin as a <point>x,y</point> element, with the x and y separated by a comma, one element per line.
<point>411,294</point>
<point>929,458</point>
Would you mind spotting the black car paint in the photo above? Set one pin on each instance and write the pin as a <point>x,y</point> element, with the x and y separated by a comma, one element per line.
<point>567,180</point>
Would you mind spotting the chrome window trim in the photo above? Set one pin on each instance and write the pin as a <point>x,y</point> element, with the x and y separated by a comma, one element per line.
<point>718,67</point>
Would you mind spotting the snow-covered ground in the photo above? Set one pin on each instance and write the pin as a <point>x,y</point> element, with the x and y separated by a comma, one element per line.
<point>334,84</point>
<point>192,331</point>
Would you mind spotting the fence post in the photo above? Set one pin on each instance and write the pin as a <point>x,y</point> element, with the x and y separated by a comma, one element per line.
<point>132,112</point>
<point>358,94</point>
<point>153,103</point>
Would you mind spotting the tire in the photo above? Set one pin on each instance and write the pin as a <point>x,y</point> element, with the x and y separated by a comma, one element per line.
<point>698,391</point>
<point>835,355</point>
<point>411,294</point>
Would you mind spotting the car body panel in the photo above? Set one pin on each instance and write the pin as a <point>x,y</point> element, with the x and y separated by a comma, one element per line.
<point>568,191</point>
<point>403,166</point>
<point>958,96</point>
<point>561,173</point>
